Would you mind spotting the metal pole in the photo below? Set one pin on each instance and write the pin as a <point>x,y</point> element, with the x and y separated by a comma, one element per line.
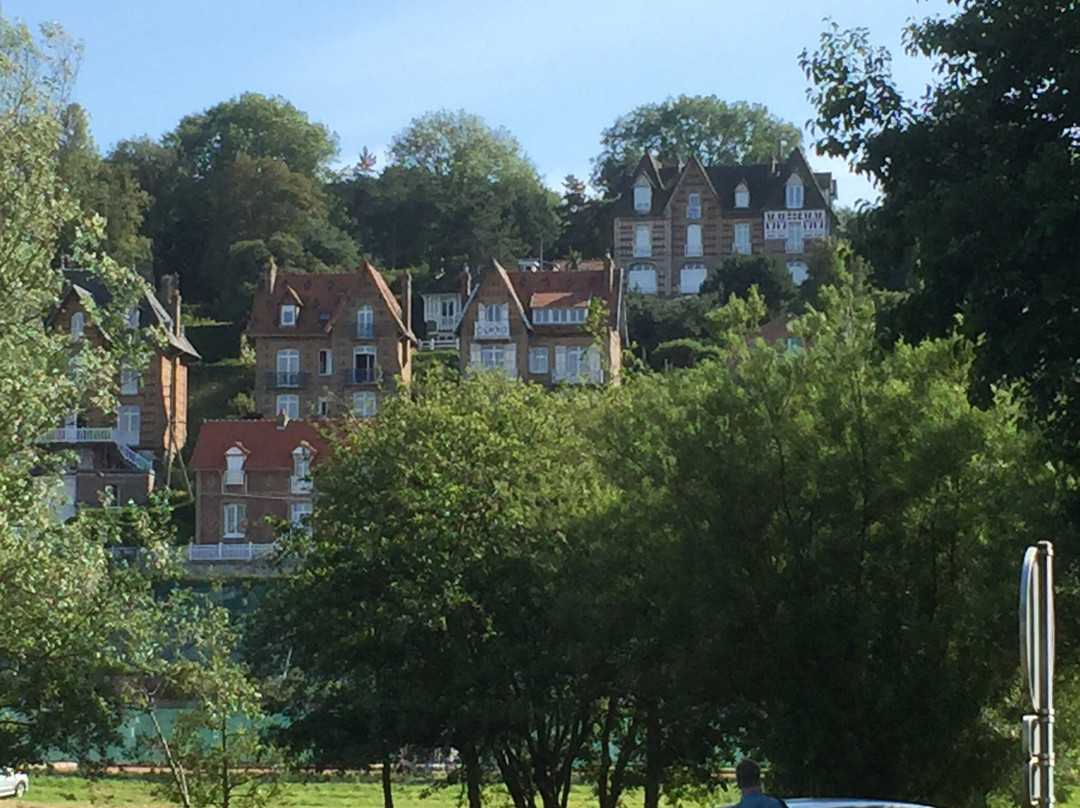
<point>1046,707</point>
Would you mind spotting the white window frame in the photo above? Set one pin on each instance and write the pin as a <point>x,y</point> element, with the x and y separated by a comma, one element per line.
<point>637,273</point>
<point>740,245</point>
<point>365,350</point>
<point>326,361</point>
<point>795,241</point>
<point>698,269</point>
<point>129,381</point>
<point>365,322</point>
<point>300,514</point>
<point>287,316</point>
<point>365,403</point>
<point>129,421</point>
<point>493,355</point>
<point>642,195</point>
<point>234,466</point>
<point>693,206</point>
<point>494,312</point>
<point>78,325</point>
<point>322,406</point>
<point>793,193</point>
<point>290,402</point>
<point>742,196</point>
<point>643,241</point>
<point>287,362</point>
<point>538,360</point>
<point>576,315</point>
<point>694,246</point>
<point>233,520</point>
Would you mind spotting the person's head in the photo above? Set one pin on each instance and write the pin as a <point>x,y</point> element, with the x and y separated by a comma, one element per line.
<point>747,775</point>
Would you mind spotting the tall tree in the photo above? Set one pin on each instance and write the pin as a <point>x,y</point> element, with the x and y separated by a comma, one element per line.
<point>977,182</point>
<point>718,132</point>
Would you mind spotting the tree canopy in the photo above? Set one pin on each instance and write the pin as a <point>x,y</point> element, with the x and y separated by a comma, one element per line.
<point>977,182</point>
<point>718,132</point>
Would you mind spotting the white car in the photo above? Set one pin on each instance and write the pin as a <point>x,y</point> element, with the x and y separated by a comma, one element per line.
<point>13,783</point>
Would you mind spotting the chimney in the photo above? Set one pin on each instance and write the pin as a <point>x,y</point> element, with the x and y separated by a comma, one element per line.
<point>271,274</point>
<point>282,419</point>
<point>466,282</point>
<point>609,271</point>
<point>406,299</point>
<point>169,294</point>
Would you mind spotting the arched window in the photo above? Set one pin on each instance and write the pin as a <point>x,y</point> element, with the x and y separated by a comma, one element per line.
<point>793,196</point>
<point>365,322</point>
<point>642,278</point>
<point>691,276</point>
<point>642,241</point>
<point>693,206</point>
<point>742,196</point>
<point>693,240</point>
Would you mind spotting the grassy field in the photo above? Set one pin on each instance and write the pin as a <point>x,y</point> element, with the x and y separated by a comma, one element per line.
<point>137,791</point>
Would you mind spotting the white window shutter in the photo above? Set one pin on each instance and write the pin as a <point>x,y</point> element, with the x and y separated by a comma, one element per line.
<point>505,312</point>
<point>474,353</point>
<point>592,359</point>
<point>560,362</point>
<point>510,360</point>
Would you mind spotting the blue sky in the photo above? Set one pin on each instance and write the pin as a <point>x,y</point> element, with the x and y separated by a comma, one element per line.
<point>555,72</point>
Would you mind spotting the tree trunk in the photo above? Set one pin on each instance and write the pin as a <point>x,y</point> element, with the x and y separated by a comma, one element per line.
<point>226,786</point>
<point>652,756</point>
<point>470,759</point>
<point>387,793</point>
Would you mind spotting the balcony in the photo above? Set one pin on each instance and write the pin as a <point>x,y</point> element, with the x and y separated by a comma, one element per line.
<point>498,329</point>
<point>245,551</point>
<point>360,375</point>
<point>71,434</point>
<point>300,485</point>
<point>286,380</point>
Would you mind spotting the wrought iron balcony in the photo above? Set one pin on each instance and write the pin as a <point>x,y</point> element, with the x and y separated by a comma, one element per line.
<point>281,380</point>
<point>360,375</point>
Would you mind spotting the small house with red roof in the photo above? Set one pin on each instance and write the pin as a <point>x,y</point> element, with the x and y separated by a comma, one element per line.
<point>329,343</point>
<point>545,326</point>
<point>247,472</point>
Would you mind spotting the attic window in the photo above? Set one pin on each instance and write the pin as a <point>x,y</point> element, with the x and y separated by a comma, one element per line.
<point>794,192</point>
<point>234,466</point>
<point>693,206</point>
<point>642,195</point>
<point>288,315</point>
<point>77,324</point>
<point>742,196</point>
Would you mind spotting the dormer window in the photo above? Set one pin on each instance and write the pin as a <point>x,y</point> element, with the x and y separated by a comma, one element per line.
<point>742,196</point>
<point>78,321</point>
<point>234,466</point>
<point>693,206</point>
<point>794,192</point>
<point>301,476</point>
<point>642,195</point>
<point>131,317</point>
<point>288,315</point>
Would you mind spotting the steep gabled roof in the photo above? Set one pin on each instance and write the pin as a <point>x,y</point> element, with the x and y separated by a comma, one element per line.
<point>267,446</point>
<point>504,276</point>
<point>88,287</point>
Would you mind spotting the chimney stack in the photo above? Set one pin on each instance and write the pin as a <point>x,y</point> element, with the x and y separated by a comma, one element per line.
<point>271,274</point>
<point>406,299</point>
<point>466,282</point>
<point>609,271</point>
<point>282,419</point>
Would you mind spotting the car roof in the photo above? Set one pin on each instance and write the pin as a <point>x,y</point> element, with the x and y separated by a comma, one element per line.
<point>848,802</point>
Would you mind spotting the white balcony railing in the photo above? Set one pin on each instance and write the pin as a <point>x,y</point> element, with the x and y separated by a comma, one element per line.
<point>300,485</point>
<point>244,551</point>
<point>71,434</point>
<point>499,329</point>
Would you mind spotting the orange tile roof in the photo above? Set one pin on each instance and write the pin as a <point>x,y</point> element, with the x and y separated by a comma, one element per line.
<point>267,446</point>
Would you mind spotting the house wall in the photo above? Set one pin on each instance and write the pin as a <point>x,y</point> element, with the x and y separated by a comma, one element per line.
<point>266,493</point>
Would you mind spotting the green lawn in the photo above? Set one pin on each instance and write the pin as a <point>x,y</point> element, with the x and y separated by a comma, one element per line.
<point>136,791</point>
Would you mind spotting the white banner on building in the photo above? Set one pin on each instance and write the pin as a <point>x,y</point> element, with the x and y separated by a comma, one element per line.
<point>815,223</point>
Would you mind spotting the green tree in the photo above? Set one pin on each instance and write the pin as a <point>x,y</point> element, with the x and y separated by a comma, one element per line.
<point>976,180</point>
<point>718,132</point>
<point>841,528</point>
<point>435,572</point>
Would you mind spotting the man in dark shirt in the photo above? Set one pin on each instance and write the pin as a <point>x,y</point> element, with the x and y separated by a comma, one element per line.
<point>748,779</point>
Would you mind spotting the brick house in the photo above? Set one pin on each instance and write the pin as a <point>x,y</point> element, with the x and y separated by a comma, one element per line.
<point>534,325</point>
<point>676,224</point>
<point>120,453</point>
<point>246,471</point>
<point>329,343</point>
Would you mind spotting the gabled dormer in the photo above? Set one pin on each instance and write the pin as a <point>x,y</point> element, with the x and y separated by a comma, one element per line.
<point>235,457</point>
<point>742,195</point>
<point>300,480</point>
<point>289,305</point>
<point>643,191</point>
